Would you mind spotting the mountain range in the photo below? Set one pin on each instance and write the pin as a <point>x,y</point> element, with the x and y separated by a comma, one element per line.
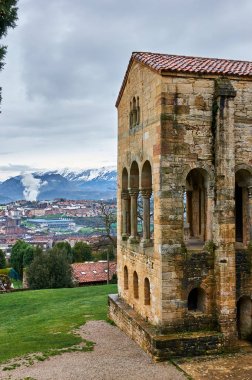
<point>65,183</point>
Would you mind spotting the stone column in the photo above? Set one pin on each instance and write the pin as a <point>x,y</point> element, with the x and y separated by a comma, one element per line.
<point>209,213</point>
<point>224,218</point>
<point>133,214</point>
<point>146,194</point>
<point>125,213</point>
<point>250,211</point>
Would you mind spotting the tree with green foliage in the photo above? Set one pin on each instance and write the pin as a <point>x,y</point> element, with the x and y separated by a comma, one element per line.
<point>81,252</point>
<point>8,18</point>
<point>22,255</point>
<point>49,270</point>
<point>29,254</point>
<point>16,258</point>
<point>2,260</point>
<point>65,248</point>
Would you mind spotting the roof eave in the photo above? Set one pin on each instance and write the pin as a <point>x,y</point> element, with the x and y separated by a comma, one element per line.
<point>124,80</point>
<point>166,72</point>
<point>131,61</point>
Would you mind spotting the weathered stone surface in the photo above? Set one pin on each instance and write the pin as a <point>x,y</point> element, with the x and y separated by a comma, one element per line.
<point>195,132</point>
<point>160,344</point>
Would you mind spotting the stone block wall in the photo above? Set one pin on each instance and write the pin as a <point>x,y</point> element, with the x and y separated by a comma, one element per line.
<point>139,144</point>
<point>146,265</point>
<point>188,124</point>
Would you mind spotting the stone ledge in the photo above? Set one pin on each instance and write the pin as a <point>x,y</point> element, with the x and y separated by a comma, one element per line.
<point>162,347</point>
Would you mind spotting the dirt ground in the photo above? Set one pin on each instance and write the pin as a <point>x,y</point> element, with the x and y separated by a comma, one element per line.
<point>228,367</point>
<point>117,357</point>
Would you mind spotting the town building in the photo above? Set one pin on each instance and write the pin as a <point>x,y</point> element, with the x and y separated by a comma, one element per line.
<point>93,273</point>
<point>185,136</point>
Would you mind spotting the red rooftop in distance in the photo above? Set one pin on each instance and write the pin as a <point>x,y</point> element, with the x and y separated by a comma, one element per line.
<point>91,272</point>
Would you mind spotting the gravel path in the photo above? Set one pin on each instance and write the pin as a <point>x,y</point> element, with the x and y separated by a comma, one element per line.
<point>115,357</point>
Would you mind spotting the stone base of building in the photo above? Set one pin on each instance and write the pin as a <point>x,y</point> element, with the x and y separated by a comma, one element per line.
<point>160,346</point>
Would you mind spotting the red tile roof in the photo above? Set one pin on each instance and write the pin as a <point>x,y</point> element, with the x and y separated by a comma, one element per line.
<point>165,63</point>
<point>90,271</point>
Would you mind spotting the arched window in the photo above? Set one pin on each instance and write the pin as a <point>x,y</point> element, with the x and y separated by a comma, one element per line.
<point>134,176</point>
<point>146,177</point>
<point>134,192</point>
<point>244,317</point>
<point>243,210</point>
<point>134,114</point>
<point>195,202</point>
<point>196,300</point>
<point>125,179</point>
<point>138,112</point>
<point>126,278</point>
<point>146,291</point>
<point>131,116</point>
<point>135,285</point>
<point>125,215</point>
<point>146,191</point>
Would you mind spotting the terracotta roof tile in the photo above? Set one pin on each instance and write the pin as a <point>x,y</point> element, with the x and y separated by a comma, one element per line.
<point>164,63</point>
<point>167,62</point>
<point>93,271</point>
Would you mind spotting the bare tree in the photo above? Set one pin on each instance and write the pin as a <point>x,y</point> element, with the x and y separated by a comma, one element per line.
<point>108,217</point>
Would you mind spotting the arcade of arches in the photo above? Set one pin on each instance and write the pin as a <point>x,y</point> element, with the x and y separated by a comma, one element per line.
<point>198,219</point>
<point>132,210</point>
<point>197,200</point>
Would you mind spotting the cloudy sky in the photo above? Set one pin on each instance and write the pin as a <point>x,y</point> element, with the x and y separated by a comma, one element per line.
<point>66,60</point>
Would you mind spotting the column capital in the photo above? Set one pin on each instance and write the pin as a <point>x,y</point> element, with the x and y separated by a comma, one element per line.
<point>134,192</point>
<point>125,194</point>
<point>250,192</point>
<point>224,87</point>
<point>146,193</point>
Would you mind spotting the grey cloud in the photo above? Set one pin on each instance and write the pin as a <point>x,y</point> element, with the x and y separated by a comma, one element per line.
<point>16,168</point>
<point>87,43</point>
<point>66,61</point>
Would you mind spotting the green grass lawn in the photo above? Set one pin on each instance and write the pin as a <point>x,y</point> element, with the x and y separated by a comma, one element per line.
<point>18,284</point>
<point>42,320</point>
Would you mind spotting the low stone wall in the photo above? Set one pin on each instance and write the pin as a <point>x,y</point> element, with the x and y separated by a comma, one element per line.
<point>162,347</point>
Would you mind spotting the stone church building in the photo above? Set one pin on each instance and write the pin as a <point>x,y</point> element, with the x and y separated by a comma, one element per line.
<point>184,204</point>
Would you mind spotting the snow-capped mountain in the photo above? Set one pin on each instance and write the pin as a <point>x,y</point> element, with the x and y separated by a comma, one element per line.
<point>107,173</point>
<point>64,183</point>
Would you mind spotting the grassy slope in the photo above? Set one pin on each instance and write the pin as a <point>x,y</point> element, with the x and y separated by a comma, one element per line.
<point>36,321</point>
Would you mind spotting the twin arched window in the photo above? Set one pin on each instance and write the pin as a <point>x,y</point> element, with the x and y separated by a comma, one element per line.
<point>134,115</point>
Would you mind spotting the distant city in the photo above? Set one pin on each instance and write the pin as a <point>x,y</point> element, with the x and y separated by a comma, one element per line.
<point>42,223</point>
